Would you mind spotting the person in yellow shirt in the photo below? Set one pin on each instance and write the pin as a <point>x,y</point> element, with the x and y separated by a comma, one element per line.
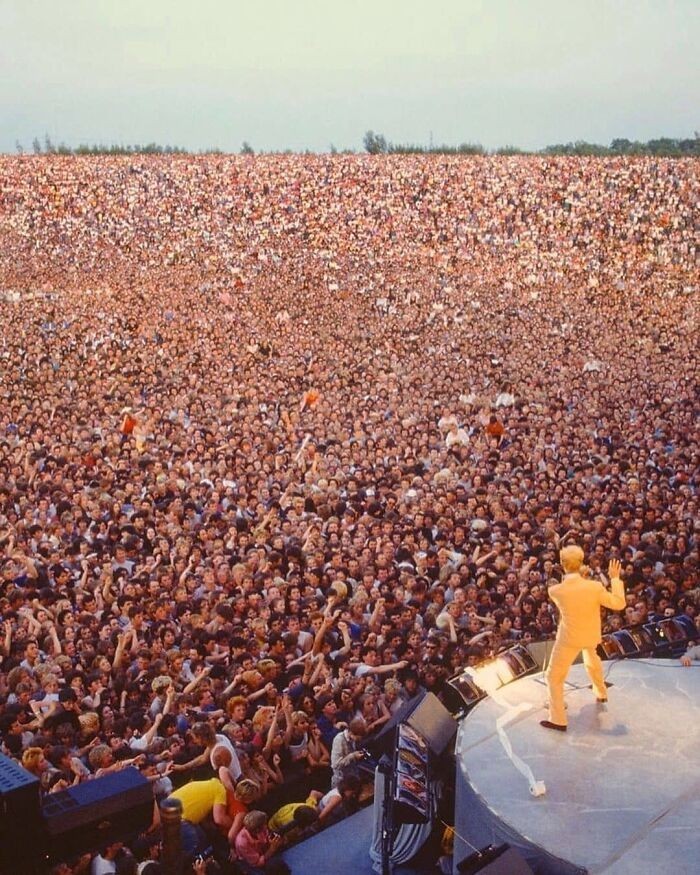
<point>297,813</point>
<point>579,601</point>
<point>199,799</point>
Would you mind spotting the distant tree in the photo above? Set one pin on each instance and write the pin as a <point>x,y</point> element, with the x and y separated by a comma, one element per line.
<point>247,149</point>
<point>375,144</point>
<point>510,150</point>
<point>471,149</point>
<point>622,146</point>
<point>690,146</point>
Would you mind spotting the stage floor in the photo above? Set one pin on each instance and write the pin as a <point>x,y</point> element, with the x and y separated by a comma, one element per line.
<point>622,785</point>
<point>343,849</point>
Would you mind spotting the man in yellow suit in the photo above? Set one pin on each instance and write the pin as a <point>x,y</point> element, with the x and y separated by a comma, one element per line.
<point>579,601</point>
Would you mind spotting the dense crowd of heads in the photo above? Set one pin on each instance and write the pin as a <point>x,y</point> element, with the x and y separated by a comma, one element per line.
<point>284,440</point>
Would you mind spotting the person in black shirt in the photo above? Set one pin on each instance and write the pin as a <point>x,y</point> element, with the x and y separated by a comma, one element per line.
<point>66,711</point>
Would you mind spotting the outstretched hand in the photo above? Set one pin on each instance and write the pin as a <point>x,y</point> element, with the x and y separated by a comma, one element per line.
<point>614,569</point>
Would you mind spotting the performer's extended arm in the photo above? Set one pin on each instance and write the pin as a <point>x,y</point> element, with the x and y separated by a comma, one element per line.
<point>614,600</point>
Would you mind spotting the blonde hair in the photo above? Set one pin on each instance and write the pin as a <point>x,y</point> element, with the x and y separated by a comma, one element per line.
<point>246,790</point>
<point>571,558</point>
<point>31,758</point>
<point>261,717</point>
<point>252,679</point>
<point>254,820</point>
<point>266,665</point>
<point>89,722</point>
<point>98,755</point>
<point>339,588</point>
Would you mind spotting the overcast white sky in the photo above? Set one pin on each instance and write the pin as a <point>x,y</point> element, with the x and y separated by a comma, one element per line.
<point>304,73</point>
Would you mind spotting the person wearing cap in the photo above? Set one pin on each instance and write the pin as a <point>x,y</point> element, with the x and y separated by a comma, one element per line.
<point>579,601</point>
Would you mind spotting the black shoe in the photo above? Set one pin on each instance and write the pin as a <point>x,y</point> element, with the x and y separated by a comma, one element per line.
<point>549,725</point>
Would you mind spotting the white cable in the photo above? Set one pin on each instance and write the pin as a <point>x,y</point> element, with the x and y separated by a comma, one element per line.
<point>537,788</point>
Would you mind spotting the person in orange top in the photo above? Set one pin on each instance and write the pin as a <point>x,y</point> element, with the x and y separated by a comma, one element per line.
<point>495,428</point>
<point>310,399</point>
<point>129,422</point>
<point>579,601</point>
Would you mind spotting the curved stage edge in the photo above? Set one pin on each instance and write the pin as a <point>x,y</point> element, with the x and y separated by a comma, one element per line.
<point>622,785</point>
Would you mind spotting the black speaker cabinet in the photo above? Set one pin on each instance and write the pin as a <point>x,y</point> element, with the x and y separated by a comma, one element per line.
<point>500,860</point>
<point>434,722</point>
<point>20,816</point>
<point>384,742</point>
<point>89,816</point>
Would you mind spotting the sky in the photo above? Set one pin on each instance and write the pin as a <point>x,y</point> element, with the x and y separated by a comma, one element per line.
<point>305,74</point>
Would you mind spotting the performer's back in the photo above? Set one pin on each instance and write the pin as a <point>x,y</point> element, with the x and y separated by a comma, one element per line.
<point>579,601</point>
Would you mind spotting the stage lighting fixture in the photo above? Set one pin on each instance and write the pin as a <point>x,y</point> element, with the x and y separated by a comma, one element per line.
<point>642,639</point>
<point>508,666</point>
<point>656,633</point>
<point>609,648</point>
<point>636,641</point>
<point>663,638</point>
<point>489,675</point>
<point>461,694</point>
<point>520,660</point>
<point>688,626</point>
<point>626,643</point>
<point>673,631</point>
<point>668,635</point>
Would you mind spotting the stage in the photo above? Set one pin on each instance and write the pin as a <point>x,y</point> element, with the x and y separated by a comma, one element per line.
<point>344,849</point>
<point>622,785</point>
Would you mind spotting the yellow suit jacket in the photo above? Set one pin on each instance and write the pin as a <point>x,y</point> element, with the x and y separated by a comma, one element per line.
<point>579,601</point>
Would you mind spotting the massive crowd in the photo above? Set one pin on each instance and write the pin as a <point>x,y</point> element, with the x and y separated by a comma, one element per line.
<point>285,440</point>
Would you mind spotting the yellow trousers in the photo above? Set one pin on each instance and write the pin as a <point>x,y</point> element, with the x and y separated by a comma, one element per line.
<point>563,656</point>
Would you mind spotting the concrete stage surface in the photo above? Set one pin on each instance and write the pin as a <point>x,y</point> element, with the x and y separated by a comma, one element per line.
<point>622,785</point>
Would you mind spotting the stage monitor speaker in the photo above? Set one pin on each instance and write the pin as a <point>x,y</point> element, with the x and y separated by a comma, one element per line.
<point>384,742</point>
<point>90,815</point>
<point>20,816</point>
<point>500,860</point>
<point>434,722</point>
